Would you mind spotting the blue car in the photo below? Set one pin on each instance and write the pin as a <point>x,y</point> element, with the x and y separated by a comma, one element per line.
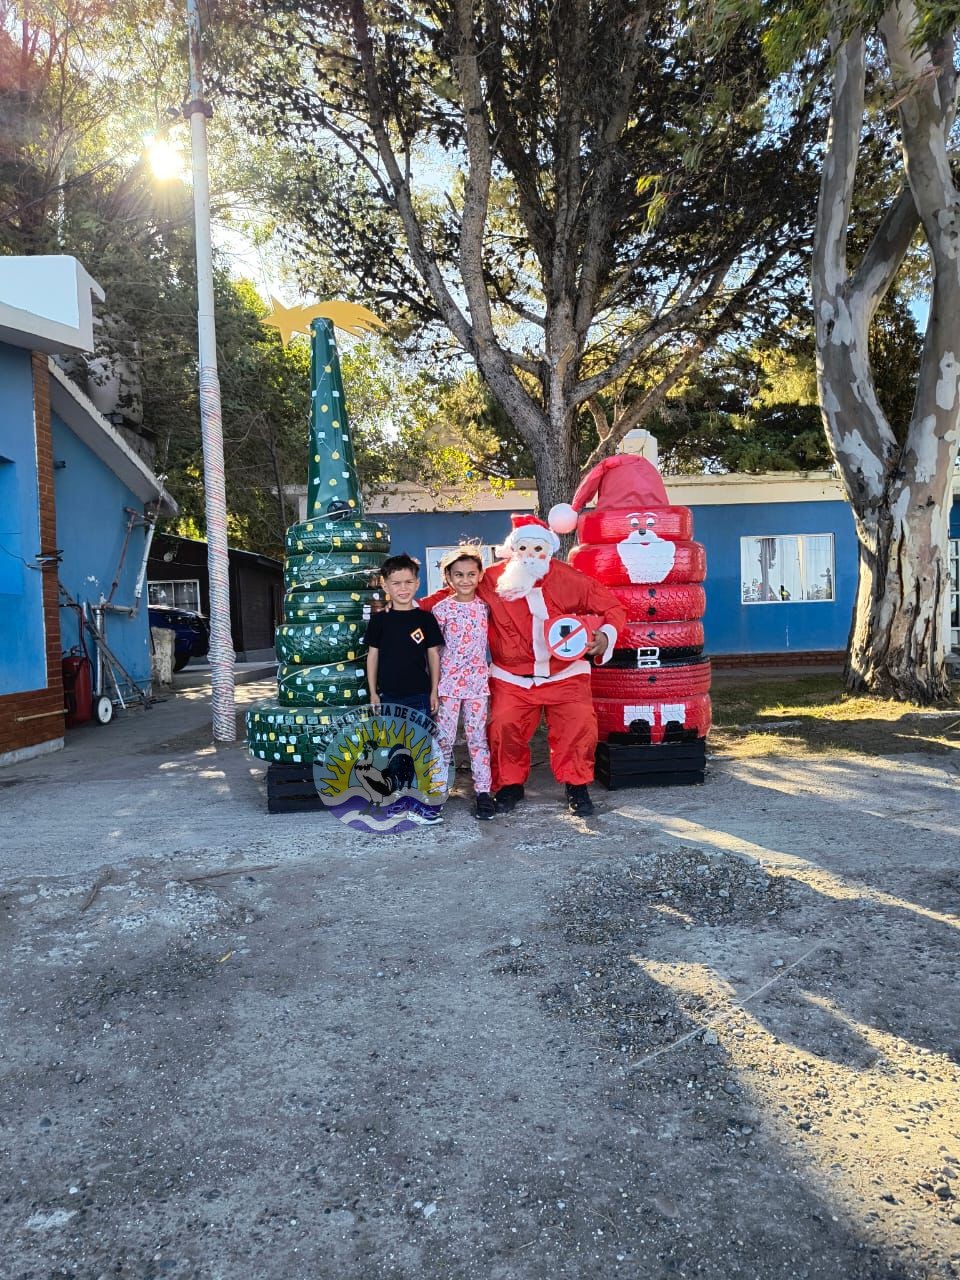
<point>191,632</point>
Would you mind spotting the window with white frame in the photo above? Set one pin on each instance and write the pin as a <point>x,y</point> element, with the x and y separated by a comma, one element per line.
<point>183,593</point>
<point>782,568</point>
<point>436,554</point>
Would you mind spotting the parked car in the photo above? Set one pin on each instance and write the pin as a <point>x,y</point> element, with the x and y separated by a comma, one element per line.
<point>191,632</point>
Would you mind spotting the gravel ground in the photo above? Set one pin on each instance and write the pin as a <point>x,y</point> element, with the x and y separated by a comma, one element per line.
<point>711,1032</point>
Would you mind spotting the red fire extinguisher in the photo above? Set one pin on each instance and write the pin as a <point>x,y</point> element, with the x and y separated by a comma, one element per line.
<point>77,687</point>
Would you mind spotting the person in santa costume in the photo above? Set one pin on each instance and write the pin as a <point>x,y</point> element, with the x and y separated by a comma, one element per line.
<point>547,621</point>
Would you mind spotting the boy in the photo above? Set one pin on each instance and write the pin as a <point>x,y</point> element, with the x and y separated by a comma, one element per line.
<point>404,642</point>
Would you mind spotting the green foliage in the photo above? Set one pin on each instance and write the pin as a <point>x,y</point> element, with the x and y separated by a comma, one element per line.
<point>81,83</point>
<point>896,347</point>
<point>412,426</point>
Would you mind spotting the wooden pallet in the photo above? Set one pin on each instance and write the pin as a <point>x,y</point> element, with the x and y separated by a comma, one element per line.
<point>636,763</point>
<point>291,789</point>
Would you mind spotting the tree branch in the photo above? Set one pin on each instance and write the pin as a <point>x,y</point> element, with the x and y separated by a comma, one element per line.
<point>594,238</point>
<point>676,317</point>
<point>857,428</point>
<point>452,315</point>
<point>651,400</point>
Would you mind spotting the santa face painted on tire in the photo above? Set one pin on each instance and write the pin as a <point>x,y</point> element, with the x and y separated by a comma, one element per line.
<point>532,599</point>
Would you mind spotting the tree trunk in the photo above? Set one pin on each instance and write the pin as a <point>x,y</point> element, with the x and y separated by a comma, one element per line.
<point>899,490</point>
<point>897,636</point>
<point>555,466</point>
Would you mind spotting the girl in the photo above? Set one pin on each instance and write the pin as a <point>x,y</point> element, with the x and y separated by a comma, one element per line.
<point>463,669</point>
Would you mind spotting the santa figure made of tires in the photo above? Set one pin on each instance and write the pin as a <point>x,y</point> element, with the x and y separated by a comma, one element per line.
<point>655,687</point>
<point>548,625</point>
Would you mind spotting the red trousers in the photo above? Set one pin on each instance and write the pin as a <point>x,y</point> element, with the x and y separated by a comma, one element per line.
<point>571,729</point>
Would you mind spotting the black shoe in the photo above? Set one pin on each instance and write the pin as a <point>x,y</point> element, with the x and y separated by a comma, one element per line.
<point>484,809</point>
<point>578,801</point>
<point>507,798</point>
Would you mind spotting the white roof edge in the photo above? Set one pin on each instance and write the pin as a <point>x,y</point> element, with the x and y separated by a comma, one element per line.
<point>707,490</point>
<point>102,438</point>
<point>406,497</point>
<point>46,303</point>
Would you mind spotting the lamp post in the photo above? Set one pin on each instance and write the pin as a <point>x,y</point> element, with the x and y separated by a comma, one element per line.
<point>222,657</point>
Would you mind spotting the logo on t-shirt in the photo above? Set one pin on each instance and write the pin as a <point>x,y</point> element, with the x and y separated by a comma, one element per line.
<point>417,636</point>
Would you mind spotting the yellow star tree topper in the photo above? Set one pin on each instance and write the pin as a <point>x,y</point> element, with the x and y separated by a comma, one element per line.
<point>349,316</point>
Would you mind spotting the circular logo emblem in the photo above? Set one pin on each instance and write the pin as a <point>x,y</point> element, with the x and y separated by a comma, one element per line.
<point>381,769</point>
<point>567,638</point>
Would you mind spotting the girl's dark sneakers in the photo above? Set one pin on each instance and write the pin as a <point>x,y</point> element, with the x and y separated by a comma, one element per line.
<point>578,800</point>
<point>484,809</point>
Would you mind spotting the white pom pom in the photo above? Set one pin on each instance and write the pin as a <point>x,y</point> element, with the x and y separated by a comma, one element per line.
<point>563,518</point>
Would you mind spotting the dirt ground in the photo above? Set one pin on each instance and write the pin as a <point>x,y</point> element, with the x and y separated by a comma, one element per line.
<point>711,1032</point>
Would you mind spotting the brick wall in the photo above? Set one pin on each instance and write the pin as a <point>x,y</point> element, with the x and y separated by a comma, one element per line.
<point>35,717</point>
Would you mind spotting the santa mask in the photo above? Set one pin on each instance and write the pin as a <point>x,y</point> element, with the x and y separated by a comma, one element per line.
<point>531,550</point>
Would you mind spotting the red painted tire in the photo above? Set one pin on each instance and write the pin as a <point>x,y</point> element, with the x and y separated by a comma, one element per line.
<point>661,635</point>
<point>659,603</point>
<point>617,715</point>
<point>613,524</point>
<point>604,564</point>
<point>660,683</point>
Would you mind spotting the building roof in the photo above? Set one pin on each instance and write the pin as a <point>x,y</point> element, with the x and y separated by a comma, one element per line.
<point>407,497</point>
<point>102,438</point>
<point>46,303</point>
<point>200,546</point>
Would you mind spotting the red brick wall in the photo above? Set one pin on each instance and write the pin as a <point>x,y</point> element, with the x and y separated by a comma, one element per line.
<point>28,719</point>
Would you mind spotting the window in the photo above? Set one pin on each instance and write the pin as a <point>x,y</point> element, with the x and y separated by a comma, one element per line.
<point>787,567</point>
<point>11,543</point>
<point>954,593</point>
<point>434,556</point>
<point>183,594</point>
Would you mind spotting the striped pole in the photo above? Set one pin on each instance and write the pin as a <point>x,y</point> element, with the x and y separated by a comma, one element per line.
<point>222,657</point>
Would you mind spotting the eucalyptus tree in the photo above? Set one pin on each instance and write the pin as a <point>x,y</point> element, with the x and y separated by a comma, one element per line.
<point>583,200</point>
<point>899,483</point>
<point>887,68</point>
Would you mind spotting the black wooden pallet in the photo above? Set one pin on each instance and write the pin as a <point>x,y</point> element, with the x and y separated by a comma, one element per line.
<point>291,789</point>
<point>633,762</point>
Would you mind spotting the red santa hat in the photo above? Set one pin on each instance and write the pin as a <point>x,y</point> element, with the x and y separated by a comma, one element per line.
<point>624,481</point>
<point>530,526</point>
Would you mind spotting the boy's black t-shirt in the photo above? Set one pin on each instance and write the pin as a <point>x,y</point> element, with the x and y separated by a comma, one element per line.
<point>402,638</point>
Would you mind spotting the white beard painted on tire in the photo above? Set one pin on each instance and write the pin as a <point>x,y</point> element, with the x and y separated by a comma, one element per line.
<point>645,556</point>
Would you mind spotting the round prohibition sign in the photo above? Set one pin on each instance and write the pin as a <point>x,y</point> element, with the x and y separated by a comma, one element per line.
<point>567,638</point>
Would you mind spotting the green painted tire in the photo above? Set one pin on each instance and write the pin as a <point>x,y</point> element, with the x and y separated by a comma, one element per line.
<point>332,684</point>
<point>289,735</point>
<point>340,571</point>
<point>329,606</point>
<point>338,535</point>
<point>319,643</point>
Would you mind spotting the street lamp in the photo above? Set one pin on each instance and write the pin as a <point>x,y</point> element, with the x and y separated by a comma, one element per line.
<point>222,657</point>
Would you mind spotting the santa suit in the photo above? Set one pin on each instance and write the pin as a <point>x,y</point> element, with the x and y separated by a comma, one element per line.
<point>527,681</point>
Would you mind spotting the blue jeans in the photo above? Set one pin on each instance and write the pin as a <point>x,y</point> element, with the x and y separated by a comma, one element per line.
<point>415,701</point>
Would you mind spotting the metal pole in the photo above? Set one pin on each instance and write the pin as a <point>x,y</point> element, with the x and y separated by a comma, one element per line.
<point>221,644</point>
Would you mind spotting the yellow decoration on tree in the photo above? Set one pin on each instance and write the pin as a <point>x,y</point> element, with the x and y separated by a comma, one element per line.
<point>349,316</point>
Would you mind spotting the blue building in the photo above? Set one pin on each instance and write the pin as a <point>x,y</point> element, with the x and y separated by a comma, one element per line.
<point>77,506</point>
<point>781,552</point>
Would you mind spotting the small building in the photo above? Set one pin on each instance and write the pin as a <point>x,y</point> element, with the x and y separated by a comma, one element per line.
<point>177,575</point>
<point>781,553</point>
<point>77,505</point>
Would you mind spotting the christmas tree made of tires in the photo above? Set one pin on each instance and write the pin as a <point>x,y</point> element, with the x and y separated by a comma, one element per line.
<point>331,574</point>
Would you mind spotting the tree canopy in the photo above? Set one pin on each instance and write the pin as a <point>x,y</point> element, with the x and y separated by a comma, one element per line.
<point>580,198</point>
